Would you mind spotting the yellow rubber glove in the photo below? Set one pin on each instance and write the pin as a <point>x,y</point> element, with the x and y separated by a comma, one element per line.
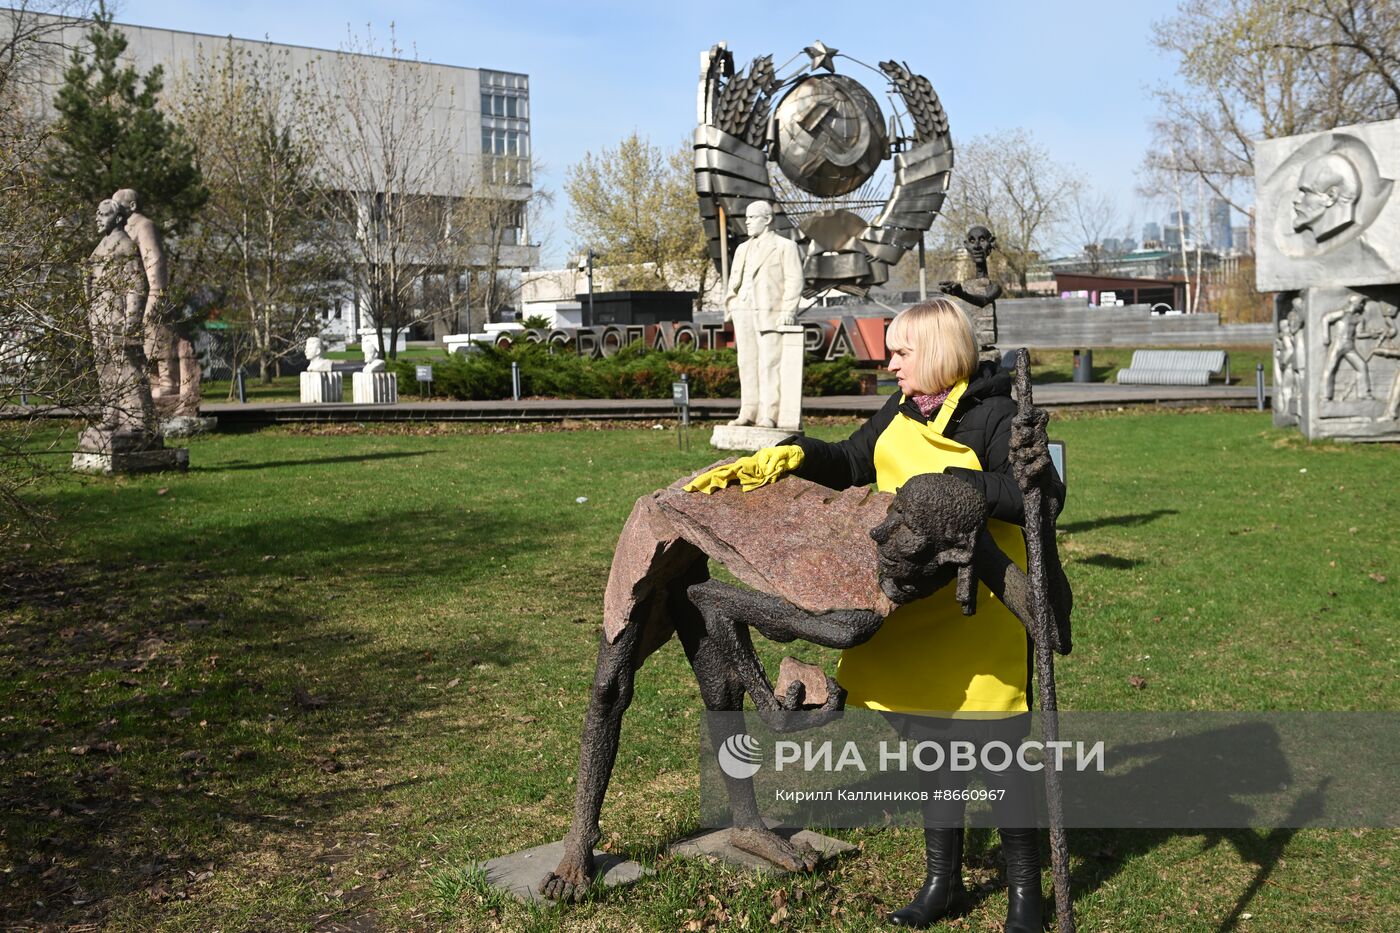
<point>766,466</point>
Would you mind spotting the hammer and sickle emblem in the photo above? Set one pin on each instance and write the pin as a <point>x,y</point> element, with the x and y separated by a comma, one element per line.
<point>826,135</point>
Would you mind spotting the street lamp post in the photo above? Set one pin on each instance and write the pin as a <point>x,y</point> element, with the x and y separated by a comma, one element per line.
<point>585,264</point>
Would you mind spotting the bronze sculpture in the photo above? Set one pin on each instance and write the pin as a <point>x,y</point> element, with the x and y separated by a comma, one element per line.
<point>979,291</point>
<point>864,553</point>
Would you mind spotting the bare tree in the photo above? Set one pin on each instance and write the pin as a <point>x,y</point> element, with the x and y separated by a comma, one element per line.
<point>1008,182</point>
<point>1095,222</point>
<point>390,175</point>
<point>1257,69</point>
<point>264,239</point>
<point>491,220</point>
<point>45,347</point>
<point>635,207</point>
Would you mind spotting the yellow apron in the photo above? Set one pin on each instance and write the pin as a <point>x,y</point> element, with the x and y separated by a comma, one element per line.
<point>928,656</point>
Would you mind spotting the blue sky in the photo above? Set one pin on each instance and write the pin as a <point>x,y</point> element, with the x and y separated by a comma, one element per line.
<point>1076,75</point>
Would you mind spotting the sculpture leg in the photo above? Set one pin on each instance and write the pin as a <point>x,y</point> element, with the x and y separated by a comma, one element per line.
<point>746,346</point>
<point>159,352</point>
<point>722,690</point>
<point>190,377</point>
<point>1363,373</point>
<point>727,613</point>
<point>770,358</point>
<point>1329,382</point>
<point>612,693</point>
<point>136,412</point>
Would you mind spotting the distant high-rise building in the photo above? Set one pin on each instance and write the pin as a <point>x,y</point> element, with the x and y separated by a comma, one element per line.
<point>1239,236</point>
<point>1172,237</point>
<point>1221,236</point>
<point>1151,231</point>
<point>1181,220</point>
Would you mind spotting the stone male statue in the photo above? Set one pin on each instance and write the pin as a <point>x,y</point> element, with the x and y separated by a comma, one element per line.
<point>160,336</point>
<point>979,291</point>
<point>315,362</point>
<point>374,363</point>
<point>765,283</point>
<point>117,299</point>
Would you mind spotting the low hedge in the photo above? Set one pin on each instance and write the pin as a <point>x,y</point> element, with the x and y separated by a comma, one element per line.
<point>632,372</point>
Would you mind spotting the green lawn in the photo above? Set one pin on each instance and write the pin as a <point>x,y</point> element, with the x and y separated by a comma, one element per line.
<point>317,678</point>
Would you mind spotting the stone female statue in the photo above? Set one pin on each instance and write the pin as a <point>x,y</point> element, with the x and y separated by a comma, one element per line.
<point>116,294</point>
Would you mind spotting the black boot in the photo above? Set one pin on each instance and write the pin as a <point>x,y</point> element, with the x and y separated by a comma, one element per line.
<point>1021,848</point>
<point>943,894</point>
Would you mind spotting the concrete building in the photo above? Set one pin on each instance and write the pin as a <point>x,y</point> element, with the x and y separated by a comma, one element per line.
<point>476,112</point>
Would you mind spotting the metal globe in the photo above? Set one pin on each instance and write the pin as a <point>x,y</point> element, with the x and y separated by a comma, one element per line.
<point>830,135</point>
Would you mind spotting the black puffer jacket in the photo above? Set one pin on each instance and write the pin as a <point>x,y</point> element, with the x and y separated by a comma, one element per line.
<point>981,422</point>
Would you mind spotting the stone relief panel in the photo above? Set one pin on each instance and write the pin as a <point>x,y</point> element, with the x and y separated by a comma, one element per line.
<point>1290,353</point>
<point>1348,378</point>
<point>1328,214</point>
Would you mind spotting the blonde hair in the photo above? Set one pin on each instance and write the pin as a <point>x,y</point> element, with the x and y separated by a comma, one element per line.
<point>942,336</point>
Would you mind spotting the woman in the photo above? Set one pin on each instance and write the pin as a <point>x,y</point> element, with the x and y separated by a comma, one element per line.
<point>968,675</point>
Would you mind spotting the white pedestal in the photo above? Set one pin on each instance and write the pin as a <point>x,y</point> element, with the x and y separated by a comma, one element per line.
<point>322,387</point>
<point>790,379</point>
<point>747,437</point>
<point>375,388</point>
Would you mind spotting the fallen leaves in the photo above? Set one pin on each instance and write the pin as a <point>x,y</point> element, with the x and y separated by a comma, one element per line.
<point>303,698</point>
<point>96,748</point>
<point>1137,683</point>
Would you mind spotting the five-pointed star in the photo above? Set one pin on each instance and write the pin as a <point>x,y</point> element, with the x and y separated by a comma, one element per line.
<point>821,56</point>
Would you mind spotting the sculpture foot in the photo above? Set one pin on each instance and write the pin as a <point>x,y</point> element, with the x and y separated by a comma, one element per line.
<point>774,849</point>
<point>767,423</point>
<point>570,880</point>
<point>742,421</point>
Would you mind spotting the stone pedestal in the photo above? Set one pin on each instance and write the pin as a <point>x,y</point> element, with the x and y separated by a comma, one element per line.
<point>375,388</point>
<point>187,426</point>
<point>518,874</point>
<point>714,843</point>
<point>790,379</point>
<point>165,460</point>
<point>322,387</point>
<point>747,437</point>
<point>107,453</point>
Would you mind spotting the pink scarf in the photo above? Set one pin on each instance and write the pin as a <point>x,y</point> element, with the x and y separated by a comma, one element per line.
<point>928,404</point>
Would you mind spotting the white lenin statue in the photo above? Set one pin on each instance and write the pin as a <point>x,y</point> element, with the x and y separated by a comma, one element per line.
<point>765,284</point>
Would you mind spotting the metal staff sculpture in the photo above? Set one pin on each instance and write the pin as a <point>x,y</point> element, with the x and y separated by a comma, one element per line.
<point>1031,474</point>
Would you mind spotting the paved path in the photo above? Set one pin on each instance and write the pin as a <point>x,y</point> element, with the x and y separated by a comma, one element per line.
<point>1051,395</point>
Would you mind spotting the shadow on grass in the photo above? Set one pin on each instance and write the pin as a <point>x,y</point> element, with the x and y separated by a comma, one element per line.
<point>1105,853</point>
<point>1110,521</point>
<point>1109,561</point>
<point>313,461</point>
<point>172,717</point>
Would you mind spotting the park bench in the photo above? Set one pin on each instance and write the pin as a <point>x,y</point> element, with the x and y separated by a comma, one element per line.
<point>1175,367</point>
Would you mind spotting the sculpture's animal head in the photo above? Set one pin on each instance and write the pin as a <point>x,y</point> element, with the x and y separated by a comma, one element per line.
<point>928,538</point>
